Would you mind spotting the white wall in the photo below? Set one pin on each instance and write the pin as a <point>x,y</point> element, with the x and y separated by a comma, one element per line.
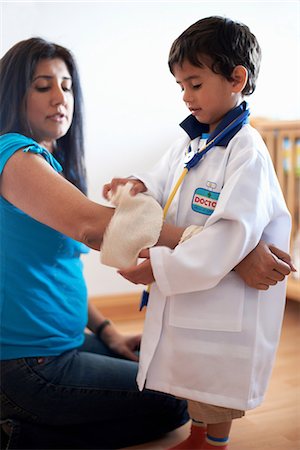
<point>132,104</point>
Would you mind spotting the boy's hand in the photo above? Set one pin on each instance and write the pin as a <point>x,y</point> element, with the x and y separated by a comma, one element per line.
<point>264,266</point>
<point>283,256</point>
<point>138,186</point>
<point>140,274</point>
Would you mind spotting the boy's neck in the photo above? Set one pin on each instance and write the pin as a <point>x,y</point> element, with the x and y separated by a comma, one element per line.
<point>195,129</point>
<point>215,125</point>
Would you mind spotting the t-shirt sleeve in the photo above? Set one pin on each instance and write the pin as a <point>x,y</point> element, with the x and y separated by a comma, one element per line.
<point>10,143</point>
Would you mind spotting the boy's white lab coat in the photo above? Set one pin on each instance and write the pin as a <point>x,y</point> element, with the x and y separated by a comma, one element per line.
<point>208,336</point>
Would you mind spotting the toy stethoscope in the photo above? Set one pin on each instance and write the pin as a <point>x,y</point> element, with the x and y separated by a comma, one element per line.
<point>193,158</point>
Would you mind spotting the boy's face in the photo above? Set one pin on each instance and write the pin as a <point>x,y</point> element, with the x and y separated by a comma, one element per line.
<point>209,96</point>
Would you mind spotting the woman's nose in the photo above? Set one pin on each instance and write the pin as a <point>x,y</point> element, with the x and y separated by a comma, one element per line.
<point>59,96</point>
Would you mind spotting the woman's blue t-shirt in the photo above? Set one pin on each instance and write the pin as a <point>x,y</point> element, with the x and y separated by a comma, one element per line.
<point>43,304</point>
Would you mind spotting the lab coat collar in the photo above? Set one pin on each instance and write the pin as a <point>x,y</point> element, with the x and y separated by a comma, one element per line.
<point>195,129</point>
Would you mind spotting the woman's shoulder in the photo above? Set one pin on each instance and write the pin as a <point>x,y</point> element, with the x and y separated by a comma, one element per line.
<point>14,140</point>
<point>10,143</point>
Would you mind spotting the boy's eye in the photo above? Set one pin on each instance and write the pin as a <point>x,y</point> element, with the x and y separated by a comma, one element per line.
<point>197,86</point>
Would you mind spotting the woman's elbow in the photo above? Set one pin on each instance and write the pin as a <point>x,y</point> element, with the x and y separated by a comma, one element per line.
<point>92,230</point>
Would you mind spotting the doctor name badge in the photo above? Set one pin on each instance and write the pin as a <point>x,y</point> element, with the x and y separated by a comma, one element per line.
<point>204,201</point>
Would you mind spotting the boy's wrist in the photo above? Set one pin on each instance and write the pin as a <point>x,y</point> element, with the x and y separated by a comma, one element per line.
<point>170,235</point>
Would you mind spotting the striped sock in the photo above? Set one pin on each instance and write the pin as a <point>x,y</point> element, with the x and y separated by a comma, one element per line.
<point>212,442</point>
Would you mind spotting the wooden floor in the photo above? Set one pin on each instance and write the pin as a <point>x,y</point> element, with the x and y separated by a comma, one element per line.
<point>276,424</point>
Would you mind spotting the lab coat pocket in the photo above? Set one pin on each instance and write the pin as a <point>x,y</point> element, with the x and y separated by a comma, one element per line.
<point>217,309</point>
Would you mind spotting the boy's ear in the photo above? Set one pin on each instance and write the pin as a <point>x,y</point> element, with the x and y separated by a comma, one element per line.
<point>239,78</point>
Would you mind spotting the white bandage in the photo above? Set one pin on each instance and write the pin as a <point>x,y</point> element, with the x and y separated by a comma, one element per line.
<point>135,225</point>
<point>190,231</point>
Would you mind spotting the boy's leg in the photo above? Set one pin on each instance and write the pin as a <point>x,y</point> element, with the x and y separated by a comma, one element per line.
<point>219,422</point>
<point>198,429</point>
<point>215,434</point>
<point>217,437</point>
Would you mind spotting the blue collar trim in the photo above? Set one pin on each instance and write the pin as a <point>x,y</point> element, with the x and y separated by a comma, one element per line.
<point>196,129</point>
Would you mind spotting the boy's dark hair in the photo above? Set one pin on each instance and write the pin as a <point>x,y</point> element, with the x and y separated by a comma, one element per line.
<point>16,72</point>
<point>226,43</point>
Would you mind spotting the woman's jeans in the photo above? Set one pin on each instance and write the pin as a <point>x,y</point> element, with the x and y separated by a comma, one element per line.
<point>83,399</point>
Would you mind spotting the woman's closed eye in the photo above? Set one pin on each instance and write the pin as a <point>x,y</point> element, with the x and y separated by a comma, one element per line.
<point>67,88</point>
<point>47,88</point>
<point>42,88</point>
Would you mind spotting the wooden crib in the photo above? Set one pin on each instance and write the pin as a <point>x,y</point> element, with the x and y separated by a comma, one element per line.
<point>282,138</point>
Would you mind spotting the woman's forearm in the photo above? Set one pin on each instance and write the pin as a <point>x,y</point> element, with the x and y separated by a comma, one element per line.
<point>95,225</point>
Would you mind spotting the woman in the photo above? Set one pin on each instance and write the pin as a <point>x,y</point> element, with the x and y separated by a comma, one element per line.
<point>55,378</point>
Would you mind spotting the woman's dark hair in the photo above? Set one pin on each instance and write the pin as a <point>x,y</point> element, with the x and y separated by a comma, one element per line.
<point>17,68</point>
<point>226,43</point>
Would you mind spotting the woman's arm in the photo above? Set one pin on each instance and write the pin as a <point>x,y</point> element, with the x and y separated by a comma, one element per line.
<point>30,184</point>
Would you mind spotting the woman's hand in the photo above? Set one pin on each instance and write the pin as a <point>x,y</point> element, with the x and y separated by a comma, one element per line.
<point>265,266</point>
<point>123,345</point>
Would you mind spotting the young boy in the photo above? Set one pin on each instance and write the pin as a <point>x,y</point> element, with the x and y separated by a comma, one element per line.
<point>208,337</point>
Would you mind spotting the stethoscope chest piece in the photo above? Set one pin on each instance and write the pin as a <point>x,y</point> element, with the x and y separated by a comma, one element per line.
<point>189,156</point>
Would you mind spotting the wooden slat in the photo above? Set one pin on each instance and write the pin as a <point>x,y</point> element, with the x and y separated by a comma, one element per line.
<point>277,134</point>
<point>270,124</point>
<point>293,289</point>
<point>122,308</point>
